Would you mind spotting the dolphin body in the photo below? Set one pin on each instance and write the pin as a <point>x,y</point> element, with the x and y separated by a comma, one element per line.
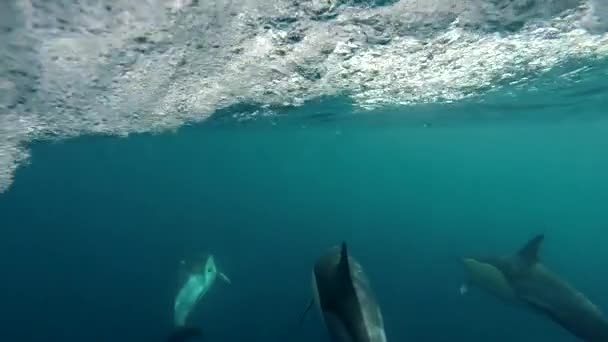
<point>523,280</point>
<point>345,300</point>
<point>197,284</point>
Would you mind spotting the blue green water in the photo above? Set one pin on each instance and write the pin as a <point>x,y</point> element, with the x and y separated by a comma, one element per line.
<point>134,135</point>
<point>93,228</point>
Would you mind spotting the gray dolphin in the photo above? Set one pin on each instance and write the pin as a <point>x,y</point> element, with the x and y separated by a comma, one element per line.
<point>345,300</point>
<point>522,279</point>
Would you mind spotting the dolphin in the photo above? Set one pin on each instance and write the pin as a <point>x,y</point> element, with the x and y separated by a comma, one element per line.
<point>522,279</point>
<point>344,298</point>
<point>197,284</point>
<point>185,333</point>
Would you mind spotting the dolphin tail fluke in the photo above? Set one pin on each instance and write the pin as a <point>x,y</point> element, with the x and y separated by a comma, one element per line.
<point>306,311</point>
<point>185,333</point>
<point>225,278</point>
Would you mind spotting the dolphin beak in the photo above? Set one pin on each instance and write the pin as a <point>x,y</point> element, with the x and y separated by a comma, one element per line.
<point>468,261</point>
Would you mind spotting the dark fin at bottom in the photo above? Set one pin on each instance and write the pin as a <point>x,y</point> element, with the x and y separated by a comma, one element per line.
<point>184,334</point>
<point>529,252</point>
<point>344,267</point>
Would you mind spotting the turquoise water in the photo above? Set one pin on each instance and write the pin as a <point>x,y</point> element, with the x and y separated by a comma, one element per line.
<point>94,227</point>
<point>132,138</point>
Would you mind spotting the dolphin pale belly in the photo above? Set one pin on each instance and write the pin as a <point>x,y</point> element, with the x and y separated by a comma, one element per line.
<point>345,300</point>
<point>197,284</point>
<point>522,279</point>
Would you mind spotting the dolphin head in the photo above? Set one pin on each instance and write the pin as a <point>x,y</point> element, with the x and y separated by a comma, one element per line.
<point>495,274</point>
<point>345,299</point>
<point>210,270</point>
<point>487,275</point>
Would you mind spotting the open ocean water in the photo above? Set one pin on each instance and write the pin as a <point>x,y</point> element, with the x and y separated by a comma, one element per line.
<point>135,134</point>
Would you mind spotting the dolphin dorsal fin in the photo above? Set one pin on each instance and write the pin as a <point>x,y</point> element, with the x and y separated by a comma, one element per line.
<point>529,253</point>
<point>225,278</point>
<point>344,265</point>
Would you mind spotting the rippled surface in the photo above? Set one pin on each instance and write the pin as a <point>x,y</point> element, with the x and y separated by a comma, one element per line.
<point>81,67</point>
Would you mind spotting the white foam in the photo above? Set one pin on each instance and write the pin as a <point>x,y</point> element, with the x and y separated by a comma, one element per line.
<point>155,64</point>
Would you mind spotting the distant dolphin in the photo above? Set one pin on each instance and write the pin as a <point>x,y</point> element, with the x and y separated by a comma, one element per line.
<point>197,284</point>
<point>343,295</point>
<point>521,279</point>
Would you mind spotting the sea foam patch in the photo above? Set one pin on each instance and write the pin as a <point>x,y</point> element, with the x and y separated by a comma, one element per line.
<point>120,67</point>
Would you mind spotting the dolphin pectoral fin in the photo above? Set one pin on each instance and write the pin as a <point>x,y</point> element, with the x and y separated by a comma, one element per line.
<point>529,252</point>
<point>225,278</point>
<point>305,311</point>
<point>182,273</point>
